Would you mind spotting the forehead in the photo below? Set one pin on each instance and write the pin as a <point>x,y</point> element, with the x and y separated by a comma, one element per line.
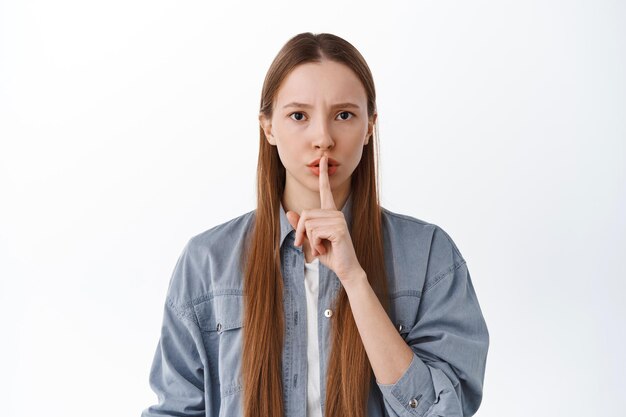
<point>321,82</point>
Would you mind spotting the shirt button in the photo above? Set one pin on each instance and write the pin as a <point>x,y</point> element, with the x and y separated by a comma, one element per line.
<point>400,327</point>
<point>413,403</point>
<point>328,312</point>
<point>219,327</point>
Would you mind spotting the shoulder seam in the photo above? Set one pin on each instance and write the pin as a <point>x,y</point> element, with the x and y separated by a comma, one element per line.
<point>183,313</point>
<point>221,225</point>
<point>452,243</point>
<point>444,274</point>
<point>406,217</point>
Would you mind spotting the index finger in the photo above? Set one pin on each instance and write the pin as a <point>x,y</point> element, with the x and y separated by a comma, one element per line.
<point>326,195</point>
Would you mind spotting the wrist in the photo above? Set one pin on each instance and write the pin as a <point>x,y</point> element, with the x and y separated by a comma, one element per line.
<point>355,280</point>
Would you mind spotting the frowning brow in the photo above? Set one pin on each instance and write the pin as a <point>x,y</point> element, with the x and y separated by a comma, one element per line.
<point>308,106</point>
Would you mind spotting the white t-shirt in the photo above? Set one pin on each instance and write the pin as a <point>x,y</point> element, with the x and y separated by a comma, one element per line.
<point>311,286</point>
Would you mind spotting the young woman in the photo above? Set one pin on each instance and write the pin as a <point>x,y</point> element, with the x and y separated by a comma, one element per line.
<point>320,301</point>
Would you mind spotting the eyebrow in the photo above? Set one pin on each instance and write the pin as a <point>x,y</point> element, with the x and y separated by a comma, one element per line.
<point>304,105</point>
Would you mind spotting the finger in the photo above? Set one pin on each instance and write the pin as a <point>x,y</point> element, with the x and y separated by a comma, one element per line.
<point>311,236</point>
<point>319,245</point>
<point>326,194</point>
<point>318,232</point>
<point>301,228</point>
<point>293,218</point>
<point>307,215</point>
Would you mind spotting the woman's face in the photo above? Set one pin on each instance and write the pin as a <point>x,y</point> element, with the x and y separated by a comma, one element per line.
<point>320,108</point>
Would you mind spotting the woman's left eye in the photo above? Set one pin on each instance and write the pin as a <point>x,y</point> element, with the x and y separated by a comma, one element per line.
<point>346,113</point>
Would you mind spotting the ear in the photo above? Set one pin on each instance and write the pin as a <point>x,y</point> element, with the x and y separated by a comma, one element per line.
<point>370,127</point>
<point>266,125</point>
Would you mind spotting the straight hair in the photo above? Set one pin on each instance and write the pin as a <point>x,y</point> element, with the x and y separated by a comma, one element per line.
<point>349,372</point>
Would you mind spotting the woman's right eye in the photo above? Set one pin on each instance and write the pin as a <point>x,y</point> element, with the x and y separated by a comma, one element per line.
<point>297,112</point>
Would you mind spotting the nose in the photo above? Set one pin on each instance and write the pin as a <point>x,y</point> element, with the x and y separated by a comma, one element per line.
<point>322,136</point>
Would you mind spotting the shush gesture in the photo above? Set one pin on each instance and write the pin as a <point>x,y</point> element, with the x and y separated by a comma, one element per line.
<point>327,232</point>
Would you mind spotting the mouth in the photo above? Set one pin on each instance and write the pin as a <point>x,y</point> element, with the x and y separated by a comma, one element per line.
<point>331,163</point>
<point>315,169</point>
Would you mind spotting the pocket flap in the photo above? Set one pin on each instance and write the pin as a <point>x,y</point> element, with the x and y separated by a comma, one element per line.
<point>220,313</point>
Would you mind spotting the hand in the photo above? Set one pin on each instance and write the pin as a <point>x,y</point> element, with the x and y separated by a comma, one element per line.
<point>327,232</point>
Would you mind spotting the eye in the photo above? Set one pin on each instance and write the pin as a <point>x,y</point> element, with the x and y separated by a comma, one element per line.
<point>346,113</point>
<point>297,112</point>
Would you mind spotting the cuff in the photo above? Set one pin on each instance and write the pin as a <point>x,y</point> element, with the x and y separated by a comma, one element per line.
<point>413,394</point>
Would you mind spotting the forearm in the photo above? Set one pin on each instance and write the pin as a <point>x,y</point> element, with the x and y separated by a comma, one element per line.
<point>388,353</point>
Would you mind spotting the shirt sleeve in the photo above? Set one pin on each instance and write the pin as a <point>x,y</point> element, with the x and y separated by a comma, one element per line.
<point>450,342</point>
<point>177,375</point>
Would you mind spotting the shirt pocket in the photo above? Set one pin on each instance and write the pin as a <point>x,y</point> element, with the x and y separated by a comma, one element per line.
<point>404,312</point>
<point>221,319</point>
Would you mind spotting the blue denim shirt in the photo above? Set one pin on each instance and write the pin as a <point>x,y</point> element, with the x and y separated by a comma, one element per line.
<point>196,370</point>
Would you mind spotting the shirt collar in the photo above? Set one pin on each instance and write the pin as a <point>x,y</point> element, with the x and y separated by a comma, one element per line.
<point>286,228</point>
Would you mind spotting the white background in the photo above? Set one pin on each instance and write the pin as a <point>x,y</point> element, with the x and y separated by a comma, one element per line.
<point>127,127</point>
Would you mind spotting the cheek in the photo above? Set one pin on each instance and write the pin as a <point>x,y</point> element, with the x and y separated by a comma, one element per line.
<point>354,146</point>
<point>288,130</point>
<point>357,155</point>
<point>353,158</point>
<point>352,136</point>
<point>289,153</point>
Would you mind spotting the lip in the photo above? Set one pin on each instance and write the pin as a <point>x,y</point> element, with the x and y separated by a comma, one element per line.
<point>316,170</point>
<point>331,162</point>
